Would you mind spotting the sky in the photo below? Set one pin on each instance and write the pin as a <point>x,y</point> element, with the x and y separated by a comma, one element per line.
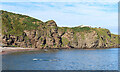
<point>70,14</point>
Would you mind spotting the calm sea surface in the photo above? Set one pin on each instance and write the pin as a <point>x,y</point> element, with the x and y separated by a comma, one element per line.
<point>73,59</point>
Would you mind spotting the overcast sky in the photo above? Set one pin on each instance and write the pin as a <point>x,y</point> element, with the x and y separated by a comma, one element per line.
<point>70,14</point>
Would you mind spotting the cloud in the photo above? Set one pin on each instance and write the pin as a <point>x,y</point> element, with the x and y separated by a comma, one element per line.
<point>100,14</point>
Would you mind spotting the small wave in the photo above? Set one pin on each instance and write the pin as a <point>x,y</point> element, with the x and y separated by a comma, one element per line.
<point>35,59</point>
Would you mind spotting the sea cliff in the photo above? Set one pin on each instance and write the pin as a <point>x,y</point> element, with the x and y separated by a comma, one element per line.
<point>27,32</point>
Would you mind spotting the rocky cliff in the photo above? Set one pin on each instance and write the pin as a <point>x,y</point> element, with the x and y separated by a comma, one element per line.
<point>24,31</point>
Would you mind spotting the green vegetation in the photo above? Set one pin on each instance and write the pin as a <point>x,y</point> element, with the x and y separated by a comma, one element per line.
<point>11,46</point>
<point>64,29</point>
<point>75,29</point>
<point>15,24</point>
<point>80,29</point>
<point>65,41</point>
<point>102,32</point>
<point>82,35</point>
<point>75,37</point>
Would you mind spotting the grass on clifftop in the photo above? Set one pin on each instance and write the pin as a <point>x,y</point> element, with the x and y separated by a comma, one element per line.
<point>80,29</point>
<point>75,29</point>
<point>15,24</point>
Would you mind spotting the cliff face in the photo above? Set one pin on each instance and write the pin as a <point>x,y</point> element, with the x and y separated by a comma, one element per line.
<point>24,31</point>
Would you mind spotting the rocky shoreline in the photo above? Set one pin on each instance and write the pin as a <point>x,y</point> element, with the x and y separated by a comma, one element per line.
<point>8,50</point>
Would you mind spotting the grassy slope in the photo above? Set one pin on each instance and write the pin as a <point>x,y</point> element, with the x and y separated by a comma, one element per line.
<point>15,24</point>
